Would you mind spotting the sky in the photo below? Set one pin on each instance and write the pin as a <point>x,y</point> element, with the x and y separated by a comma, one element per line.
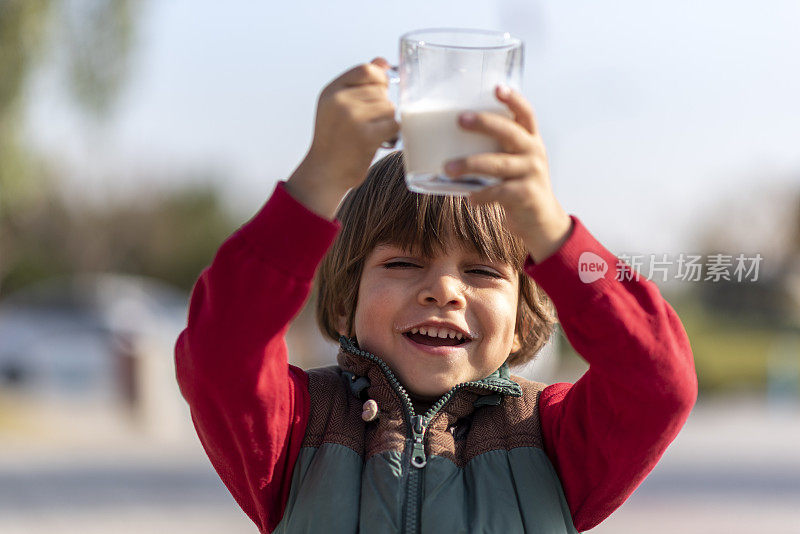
<point>653,115</point>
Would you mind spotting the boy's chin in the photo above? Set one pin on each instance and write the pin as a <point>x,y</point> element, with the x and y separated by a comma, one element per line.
<point>430,390</point>
<point>426,384</point>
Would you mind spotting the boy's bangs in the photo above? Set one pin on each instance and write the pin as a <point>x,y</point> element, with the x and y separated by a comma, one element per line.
<point>428,224</point>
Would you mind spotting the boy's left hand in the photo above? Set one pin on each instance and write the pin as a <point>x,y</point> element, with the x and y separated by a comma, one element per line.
<point>533,211</point>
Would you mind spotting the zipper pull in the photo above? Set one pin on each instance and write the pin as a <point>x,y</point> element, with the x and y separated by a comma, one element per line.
<point>418,458</point>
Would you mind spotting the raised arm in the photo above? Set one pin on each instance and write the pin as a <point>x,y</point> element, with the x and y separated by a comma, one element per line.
<point>248,405</point>
<point>606,432</point>
<point>250,408</point>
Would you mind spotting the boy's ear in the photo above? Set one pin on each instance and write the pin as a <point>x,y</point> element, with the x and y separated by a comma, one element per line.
<point>341,325</point>
<point>517,343</point>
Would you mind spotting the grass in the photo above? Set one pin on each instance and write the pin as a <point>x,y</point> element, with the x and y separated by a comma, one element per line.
<point>729,355</point>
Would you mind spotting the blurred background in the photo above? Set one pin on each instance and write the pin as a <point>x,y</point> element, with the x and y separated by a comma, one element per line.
<point>136,135</point>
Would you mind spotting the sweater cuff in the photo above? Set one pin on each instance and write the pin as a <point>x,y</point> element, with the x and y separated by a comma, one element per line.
<point>288,235</point>
<point>580,270</point>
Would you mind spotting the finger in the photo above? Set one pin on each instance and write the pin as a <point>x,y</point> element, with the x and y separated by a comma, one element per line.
<point>367,93</point>
<point>502,166</point>
<point>512,136</point>
<point>504,193</point>
<point>483,196</point>
<point>373,111</point>
<point>519,106</point>
<point>363,74</point>
<point>386,129</point>
<point>381,62</point>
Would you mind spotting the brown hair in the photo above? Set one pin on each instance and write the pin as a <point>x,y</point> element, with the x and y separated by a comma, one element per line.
<point>383,211</point>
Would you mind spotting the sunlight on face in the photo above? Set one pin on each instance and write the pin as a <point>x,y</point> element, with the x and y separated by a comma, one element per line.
<point>437,321</point>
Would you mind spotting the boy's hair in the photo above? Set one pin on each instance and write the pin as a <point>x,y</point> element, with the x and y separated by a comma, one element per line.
<point>383,211</point>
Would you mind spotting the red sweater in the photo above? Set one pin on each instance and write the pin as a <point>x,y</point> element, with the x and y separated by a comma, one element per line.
<point>603,434</point>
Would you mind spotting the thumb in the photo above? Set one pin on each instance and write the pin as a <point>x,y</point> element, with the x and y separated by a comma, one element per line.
<point>381,62</point>
<point>486,195</point>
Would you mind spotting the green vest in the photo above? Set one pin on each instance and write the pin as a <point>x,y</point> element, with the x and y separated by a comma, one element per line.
<point>473,463</point>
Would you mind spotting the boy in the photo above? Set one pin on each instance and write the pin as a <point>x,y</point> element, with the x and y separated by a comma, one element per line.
<point>421,428</point>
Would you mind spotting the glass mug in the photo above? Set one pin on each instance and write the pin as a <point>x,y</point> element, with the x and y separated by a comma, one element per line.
<point>442,73</point>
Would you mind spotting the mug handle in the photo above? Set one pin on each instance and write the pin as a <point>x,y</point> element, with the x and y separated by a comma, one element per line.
<point>393,73</point>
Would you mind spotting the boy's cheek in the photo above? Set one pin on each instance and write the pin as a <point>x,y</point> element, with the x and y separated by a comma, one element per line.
<point>378,301</point>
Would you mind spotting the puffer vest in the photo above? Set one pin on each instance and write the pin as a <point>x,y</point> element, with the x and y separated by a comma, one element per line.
<point>473,463</point>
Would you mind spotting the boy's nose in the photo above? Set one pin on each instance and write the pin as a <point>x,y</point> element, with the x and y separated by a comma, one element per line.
<point>442,291</point>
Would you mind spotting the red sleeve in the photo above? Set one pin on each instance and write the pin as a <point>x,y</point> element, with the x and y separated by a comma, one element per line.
<point>249,406</point>
<point>605,433</point>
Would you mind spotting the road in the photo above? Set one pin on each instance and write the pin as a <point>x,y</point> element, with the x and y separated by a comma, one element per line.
<point>735,468</point>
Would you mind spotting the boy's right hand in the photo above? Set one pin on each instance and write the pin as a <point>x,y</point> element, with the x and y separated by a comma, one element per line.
<point>354,116</point>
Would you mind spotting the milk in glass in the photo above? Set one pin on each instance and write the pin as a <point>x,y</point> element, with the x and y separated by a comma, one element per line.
<point>432,136</point>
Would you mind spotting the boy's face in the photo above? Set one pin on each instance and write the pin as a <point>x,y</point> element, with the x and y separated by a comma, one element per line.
<point>437,321</point>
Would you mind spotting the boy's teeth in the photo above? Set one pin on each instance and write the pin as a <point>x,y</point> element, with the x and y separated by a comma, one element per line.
<point>443,333</point>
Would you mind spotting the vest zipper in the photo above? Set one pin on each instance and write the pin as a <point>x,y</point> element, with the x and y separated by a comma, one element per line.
<point>414,487</point>
<point>417,424</point>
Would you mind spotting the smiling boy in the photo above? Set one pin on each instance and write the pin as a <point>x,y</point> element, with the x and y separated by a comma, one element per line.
<point>420,427</point>
<point>409,304</point>
<point>439,285</point>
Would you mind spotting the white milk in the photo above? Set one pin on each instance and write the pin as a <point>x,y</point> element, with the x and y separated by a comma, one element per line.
<point>432,136</point>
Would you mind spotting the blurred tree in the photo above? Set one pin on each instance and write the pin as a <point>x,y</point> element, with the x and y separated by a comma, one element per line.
<point>171,237</point>
<point>98,38</point>
<point>22,34</point>
<point>735,326</point>
<point>762,221</point>
<point>794,242</point>
<point>91,41</point>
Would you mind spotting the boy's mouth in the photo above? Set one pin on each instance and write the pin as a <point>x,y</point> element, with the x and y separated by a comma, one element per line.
<point>436,337</point>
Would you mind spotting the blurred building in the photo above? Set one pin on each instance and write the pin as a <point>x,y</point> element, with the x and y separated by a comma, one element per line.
<point>93,344</point>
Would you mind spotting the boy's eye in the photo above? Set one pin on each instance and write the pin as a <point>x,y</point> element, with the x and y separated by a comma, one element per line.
<point>399,264</point>
<point>409,265</point>
<point>485,272</point>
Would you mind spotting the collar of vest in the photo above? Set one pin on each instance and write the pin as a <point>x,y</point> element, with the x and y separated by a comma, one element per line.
<point>370,377</point>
